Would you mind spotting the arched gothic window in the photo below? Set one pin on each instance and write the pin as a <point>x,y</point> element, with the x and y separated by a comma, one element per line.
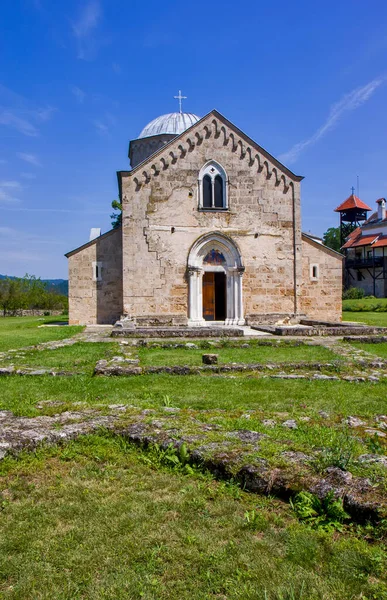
<point>213,187</point>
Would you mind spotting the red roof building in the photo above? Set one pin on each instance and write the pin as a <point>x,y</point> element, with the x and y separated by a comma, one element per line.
<point>352,202</point>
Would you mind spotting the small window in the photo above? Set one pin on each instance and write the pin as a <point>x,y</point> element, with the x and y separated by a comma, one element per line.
<point>207,192</point>
<point>314,272</point>
<point>97,271</point>
<point>212,187</point>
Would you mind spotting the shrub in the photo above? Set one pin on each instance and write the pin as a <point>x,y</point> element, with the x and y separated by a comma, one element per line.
<point>353,293</point>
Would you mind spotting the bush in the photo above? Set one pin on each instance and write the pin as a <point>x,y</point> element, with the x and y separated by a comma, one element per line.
<point>353,293</point>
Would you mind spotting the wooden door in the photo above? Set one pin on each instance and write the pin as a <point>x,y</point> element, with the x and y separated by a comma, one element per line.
<point>209,296</point>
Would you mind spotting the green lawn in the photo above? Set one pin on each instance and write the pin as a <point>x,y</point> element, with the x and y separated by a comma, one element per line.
<point>378,349</point>
<point>377,319</point>
<point>254,354</point>
<point>20,394</point>
<point>80,357</point>
<point>16,332</point>
<point>98,519</point>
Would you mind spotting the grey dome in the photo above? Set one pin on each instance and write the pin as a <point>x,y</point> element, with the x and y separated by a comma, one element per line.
<point>173,123</point>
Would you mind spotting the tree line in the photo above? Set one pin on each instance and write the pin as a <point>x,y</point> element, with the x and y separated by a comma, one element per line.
<point>29,293</point>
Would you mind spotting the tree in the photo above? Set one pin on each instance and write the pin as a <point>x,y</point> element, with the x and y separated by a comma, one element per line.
<point>331,238</point>
<point>116,217</point>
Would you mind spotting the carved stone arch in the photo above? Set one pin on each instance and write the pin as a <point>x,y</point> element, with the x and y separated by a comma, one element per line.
<point>191,144</point>
<point>216,127</point>
<point>137,183</point>
<point>243,150</point>
<point>173,157</point>
<point>286,184</point>
<point>155,170</point>
<point>269,173</point>
<point>164,163</point>
<point>277,177</point>
<point>215,252</point>
<point>225,136</point>
<point>146,176</point>
<point>199,138</point>
<point>260,164</point>
<point>183,151</point>
<point>213,169</point>
<point>249,152</point>
<point>207,131</point>
<point>234,145</point>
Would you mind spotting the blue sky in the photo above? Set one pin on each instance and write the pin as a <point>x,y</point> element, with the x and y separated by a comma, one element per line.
<point>79,79</point>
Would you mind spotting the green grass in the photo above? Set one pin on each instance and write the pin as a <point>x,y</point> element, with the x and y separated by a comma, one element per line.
<point>377,319</point>
<point>20,394</point>
<point>366,305</point>
<point>255,354</point>
<point>379,349</point>
<point>80,357</point>
<point>16,332</point>
<point>99,519</point>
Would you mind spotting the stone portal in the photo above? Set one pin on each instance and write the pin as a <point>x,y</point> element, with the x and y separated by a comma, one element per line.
<point>215,281</point>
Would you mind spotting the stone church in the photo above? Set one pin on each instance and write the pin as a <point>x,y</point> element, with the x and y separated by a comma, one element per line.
<point>211,232</point>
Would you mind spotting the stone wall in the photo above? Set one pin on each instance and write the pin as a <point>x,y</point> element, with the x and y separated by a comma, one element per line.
<point>92,301</point>
<point>161,221</point>
<point>321,297</point>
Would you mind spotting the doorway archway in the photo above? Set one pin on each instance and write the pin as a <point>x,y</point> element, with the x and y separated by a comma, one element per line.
<point>215,272</point>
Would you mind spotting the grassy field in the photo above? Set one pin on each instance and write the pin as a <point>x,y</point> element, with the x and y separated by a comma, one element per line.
<point>98,518</point>
<point>377,349</point>
<point>16,332</point>
<point>80,357</point>
<point>255,354</point>
<point>377,319</point>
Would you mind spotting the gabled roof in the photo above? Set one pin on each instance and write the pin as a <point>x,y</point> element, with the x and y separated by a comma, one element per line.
<point>94,241</point>
<point>352,202</point>
<point>307,238</point>
<point>228,123</point>
<point>354,241</point>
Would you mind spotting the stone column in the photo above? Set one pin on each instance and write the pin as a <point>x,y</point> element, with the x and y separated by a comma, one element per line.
<point>195,308</point>
<point>239,315</point>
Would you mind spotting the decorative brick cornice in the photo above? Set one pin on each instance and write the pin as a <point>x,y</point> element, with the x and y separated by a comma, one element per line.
<point>258,160</point>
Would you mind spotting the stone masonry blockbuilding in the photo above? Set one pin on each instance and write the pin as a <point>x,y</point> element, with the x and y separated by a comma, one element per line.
<point>211,232</point>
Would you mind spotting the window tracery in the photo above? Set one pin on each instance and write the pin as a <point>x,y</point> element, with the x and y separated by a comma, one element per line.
<point>213,185</point>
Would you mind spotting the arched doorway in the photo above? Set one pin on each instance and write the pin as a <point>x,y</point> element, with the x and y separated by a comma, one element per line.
<point>215,272</point>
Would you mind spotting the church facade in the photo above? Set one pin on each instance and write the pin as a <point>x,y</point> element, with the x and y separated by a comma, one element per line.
<point>211,232</point>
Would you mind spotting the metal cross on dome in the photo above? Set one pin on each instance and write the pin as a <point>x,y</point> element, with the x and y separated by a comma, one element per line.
<point>180,98</point>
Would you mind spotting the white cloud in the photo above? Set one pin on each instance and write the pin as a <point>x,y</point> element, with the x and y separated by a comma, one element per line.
<point>32,159</point>
<point>44,114</point>
<point>7,198</point>
<point>78,93</point>
<point>84,28</point>
<point>11,119</point>
<point>17,113</point>
<point>105,124</point>
<point>101,127</point>
<point>7,190</point>
<point>349,102</point>
<point>10,184</point>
